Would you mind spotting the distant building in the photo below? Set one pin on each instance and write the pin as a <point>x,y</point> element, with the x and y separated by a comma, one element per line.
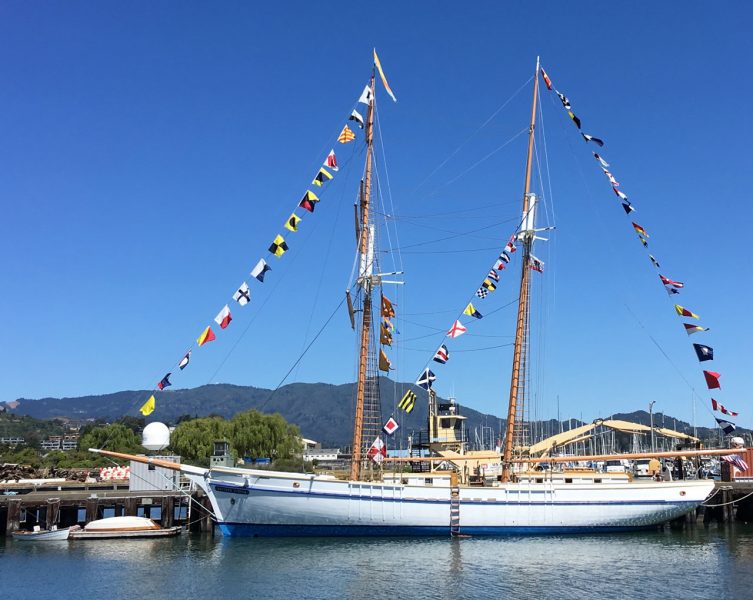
<point>66,443</point>
<point>321,454</point>
<point>12,441</point>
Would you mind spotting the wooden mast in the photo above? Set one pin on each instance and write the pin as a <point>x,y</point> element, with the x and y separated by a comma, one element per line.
<point>521,332</point>
<point>365,280</point>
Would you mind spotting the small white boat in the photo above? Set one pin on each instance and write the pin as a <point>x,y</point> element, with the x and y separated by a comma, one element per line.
<point>123,527</point>
<point>44,535</point>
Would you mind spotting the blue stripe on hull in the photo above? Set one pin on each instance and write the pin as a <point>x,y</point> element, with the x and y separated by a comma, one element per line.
<point>255,530</point>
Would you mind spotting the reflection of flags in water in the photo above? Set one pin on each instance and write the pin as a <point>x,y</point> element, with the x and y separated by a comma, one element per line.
<point>346,135</point>
<point>690,329</point>
<point>712,379</point>
<point>727,426</point>
<point>185,360</point>
<point>242,295</point>
<point>260,270</point>
<point>590,138</point>
<point>722,409</point>
<point>442,355</point>
<point>425,379</point>
<point>703,352</point>
<point>223,317</point>
<point>148,407</point>
<point>408,401</point>
<point>736,461</point>
<point>391,426</point>
<point>684,312</point>
<point>456,330</point>
<point>165,382</point>
<point>378,451</point>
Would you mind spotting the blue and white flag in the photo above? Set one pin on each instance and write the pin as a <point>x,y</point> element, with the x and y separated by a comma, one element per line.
<point>425,379</point>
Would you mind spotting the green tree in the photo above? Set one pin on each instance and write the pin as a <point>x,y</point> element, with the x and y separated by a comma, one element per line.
<point>135,424</point>
<point>258,435</point>
<point>116,437</point>
<point>194,440</point>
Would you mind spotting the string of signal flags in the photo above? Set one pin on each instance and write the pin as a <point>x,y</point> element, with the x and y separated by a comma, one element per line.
<point>277,248</point>
<point>672,287</point>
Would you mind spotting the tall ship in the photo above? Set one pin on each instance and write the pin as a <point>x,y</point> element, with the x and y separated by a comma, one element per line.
<point>444,488</point>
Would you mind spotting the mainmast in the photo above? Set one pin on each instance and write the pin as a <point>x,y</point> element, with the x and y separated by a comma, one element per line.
<point>365,250</point>
<point>520,355</point>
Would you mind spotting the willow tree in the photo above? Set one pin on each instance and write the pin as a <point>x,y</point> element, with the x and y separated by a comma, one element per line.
<point>115,437</point>
<point>258,435</point>
<point>194,440</point>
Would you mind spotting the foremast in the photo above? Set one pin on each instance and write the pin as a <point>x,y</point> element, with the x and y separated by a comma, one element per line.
<point>516,403</point>
<point>365,281</point>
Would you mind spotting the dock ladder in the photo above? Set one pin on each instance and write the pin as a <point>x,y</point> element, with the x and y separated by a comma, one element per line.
<point>454,506</point>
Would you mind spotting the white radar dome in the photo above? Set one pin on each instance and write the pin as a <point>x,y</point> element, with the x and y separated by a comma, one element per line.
<point>156,436</point>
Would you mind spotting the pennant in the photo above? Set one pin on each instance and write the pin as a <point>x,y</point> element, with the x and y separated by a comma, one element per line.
<point>726,426</point>
<point>712,380</point>
<point>184,361</point>
<point>627,207</point>
<point>242,295</point>
<point>425,379</point>
<point>600,159</point>
<point>564,100</point>
<point>165,382</point>
<point>148,407</point>
<point>309,201</point>
<point>384,362</point>
<point>622,195</point>
<point>366,95</point>
<point>684,312</point>
<point>690,329</point>
<point>331,161</point>
<point>482,293</point>
<point>492,274</point>
<point>442,355</point>
<point>471,311</point>
<point>575,119</point>
<point>278,247</point>
<point>666,281</point>
<point>356,116</point>
<point>385,336</point>
<point>703,352</point>
<point>260,270</point>
<point>643,241</point>
<point>546,79</point>
<point>206,336</point>
<point>378,451</point>
<point>223,317</point>
<point>639,230</point>
<point>504,260</point>
<point>736,461</point>
<point>612,180</point>
<point>489,285</point>
<point>322,177</point>
<point>408,401</point>
<point>292,223</point>
<point>390,427</point>
<point>346,135</point>
<point>590,138</point>
<point>725,411</point>
<point>510,246</point>
<point>457,330</point>
<point>381,74</point>
<point>654,261</point>
<point>536,264</point>
<point>387,308</point>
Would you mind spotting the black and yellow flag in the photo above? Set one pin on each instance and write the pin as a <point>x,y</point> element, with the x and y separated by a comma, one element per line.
<point>292,222</point>
<point>408,401</point>
<point>278,247</point>
<point>309,201</point>
<point>322,176</point>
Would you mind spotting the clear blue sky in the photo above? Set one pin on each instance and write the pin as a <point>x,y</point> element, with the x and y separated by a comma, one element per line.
<point>150,152</point>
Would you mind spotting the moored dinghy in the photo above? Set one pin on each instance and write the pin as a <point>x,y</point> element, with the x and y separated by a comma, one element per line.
<point>123,527</point>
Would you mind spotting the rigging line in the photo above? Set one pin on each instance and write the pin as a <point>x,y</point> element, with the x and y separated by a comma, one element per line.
<point>478,162</point>
<point>300,357</point>
<point>470,137</point>
<point>457,235</point>
<point>466,350</point>
<point>463,250</point>
<point>442,230</point>
<point>449,212</point>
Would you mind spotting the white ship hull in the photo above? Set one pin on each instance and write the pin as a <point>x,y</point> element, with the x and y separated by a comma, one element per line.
<point>265,503</point>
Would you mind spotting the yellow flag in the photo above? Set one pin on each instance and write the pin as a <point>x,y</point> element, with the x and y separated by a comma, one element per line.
<point>378,65</point>
<point>148,407</point>
<point>384,362</point>
<point>292,222</point>
<point>278,246</point>
<point>346,135</point>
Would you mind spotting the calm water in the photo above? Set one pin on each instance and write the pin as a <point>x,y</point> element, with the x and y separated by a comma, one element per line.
<point>703,563</point>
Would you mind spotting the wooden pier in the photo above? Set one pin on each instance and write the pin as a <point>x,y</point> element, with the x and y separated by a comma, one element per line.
<point>23,506</point>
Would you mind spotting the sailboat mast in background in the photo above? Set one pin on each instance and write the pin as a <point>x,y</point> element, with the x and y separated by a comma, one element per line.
<point>366,251</point>
<point>515,410</point>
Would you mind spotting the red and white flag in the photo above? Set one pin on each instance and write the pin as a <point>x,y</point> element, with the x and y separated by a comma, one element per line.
<point>331,161</point>
<point>378,451</point>
<point>720,407</point>
<point>668,281</point>
<point>224,317</point>
<point>457,330</point>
